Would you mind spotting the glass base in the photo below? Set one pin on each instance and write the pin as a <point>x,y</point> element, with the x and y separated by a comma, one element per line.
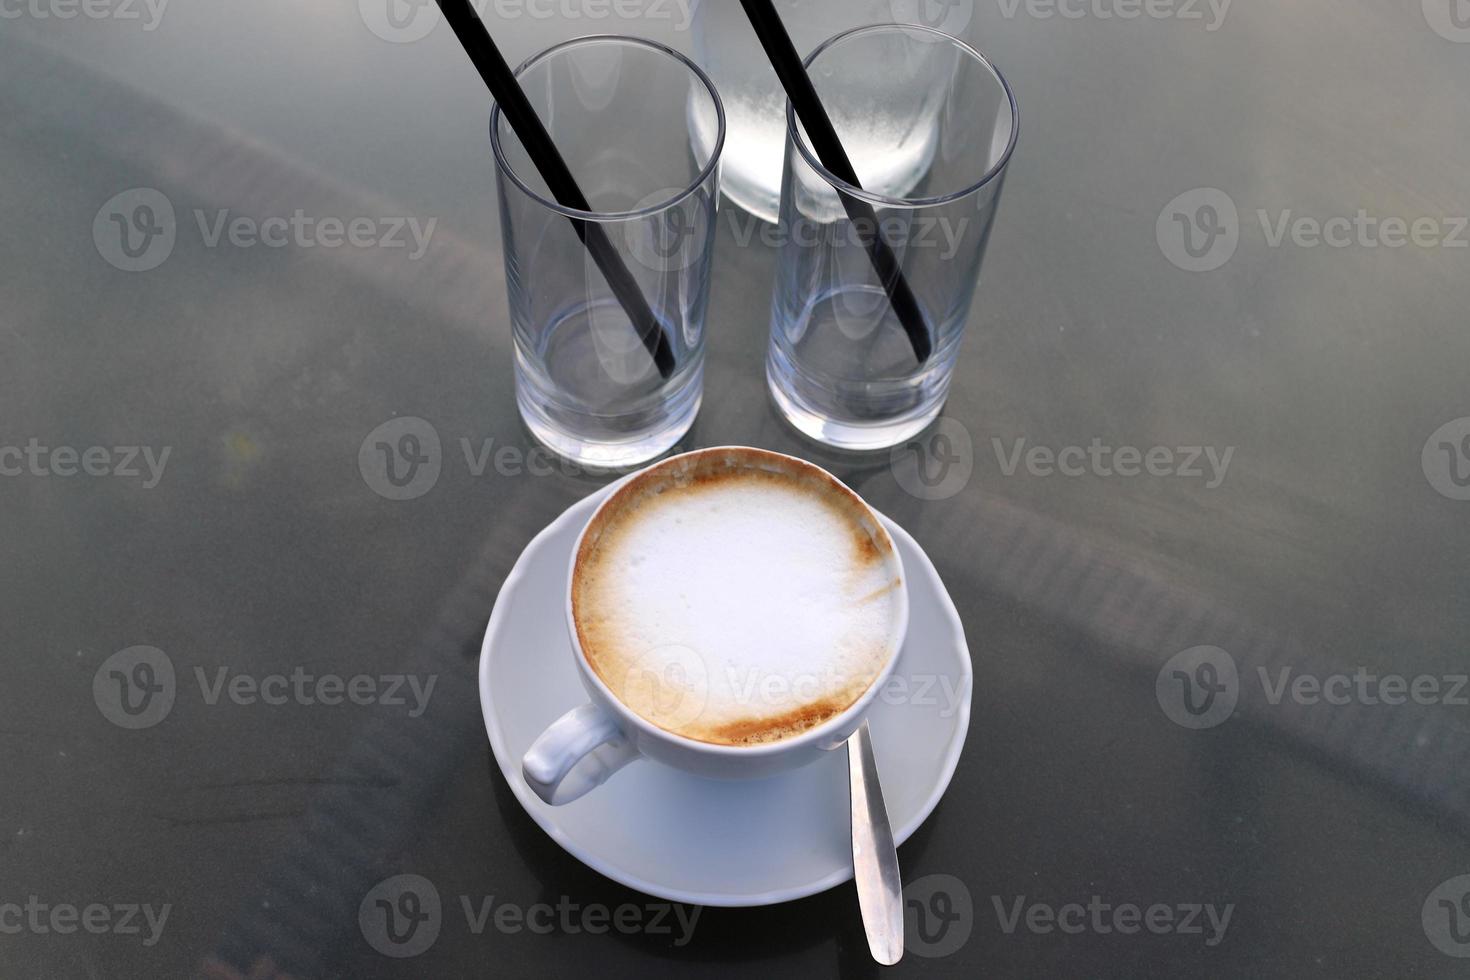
<point>850,436</point>
<point>594,454</point>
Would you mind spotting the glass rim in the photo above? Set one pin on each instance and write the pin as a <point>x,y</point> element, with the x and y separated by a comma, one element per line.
<point>793,130</point>
<point>716,151</point>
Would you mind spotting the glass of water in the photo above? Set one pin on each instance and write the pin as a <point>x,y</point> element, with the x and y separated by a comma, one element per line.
<point>622,113</point>
<point>755,104</point>
<point>929,126</point>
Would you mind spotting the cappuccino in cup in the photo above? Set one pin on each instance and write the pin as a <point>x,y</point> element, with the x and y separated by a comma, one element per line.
<point>737,597</point>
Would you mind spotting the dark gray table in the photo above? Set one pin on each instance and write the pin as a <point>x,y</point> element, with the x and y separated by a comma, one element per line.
<point>1334,547</point>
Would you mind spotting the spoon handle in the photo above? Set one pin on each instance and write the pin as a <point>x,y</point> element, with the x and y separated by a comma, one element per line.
<point>874,856</point>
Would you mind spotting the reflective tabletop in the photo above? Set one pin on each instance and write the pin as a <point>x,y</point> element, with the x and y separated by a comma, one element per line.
<point>1201,495</point>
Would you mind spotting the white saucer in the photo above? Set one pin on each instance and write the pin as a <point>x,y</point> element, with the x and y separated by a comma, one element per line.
<point>688,839</point>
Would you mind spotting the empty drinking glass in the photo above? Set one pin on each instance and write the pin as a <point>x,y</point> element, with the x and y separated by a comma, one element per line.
<point>621,111</point>
<point>929,126</point>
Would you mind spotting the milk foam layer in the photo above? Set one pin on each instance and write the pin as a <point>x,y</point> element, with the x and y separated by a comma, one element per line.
<point>738,606</point>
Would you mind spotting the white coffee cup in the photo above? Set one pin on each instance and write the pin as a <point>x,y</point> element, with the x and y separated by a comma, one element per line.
<point>588,744</point>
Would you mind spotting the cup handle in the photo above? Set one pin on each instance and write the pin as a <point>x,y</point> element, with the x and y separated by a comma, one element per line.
<point>576,755</point>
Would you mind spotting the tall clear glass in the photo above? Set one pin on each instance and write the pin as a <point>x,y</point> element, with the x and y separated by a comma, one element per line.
<point>929,125</point>
<point>622,113</point>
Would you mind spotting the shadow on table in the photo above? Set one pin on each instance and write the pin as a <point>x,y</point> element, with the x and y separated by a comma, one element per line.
<point>724,934</point>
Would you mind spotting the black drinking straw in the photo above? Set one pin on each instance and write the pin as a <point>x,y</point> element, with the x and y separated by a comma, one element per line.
<point>517,108</point>
<point>819,129</point>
